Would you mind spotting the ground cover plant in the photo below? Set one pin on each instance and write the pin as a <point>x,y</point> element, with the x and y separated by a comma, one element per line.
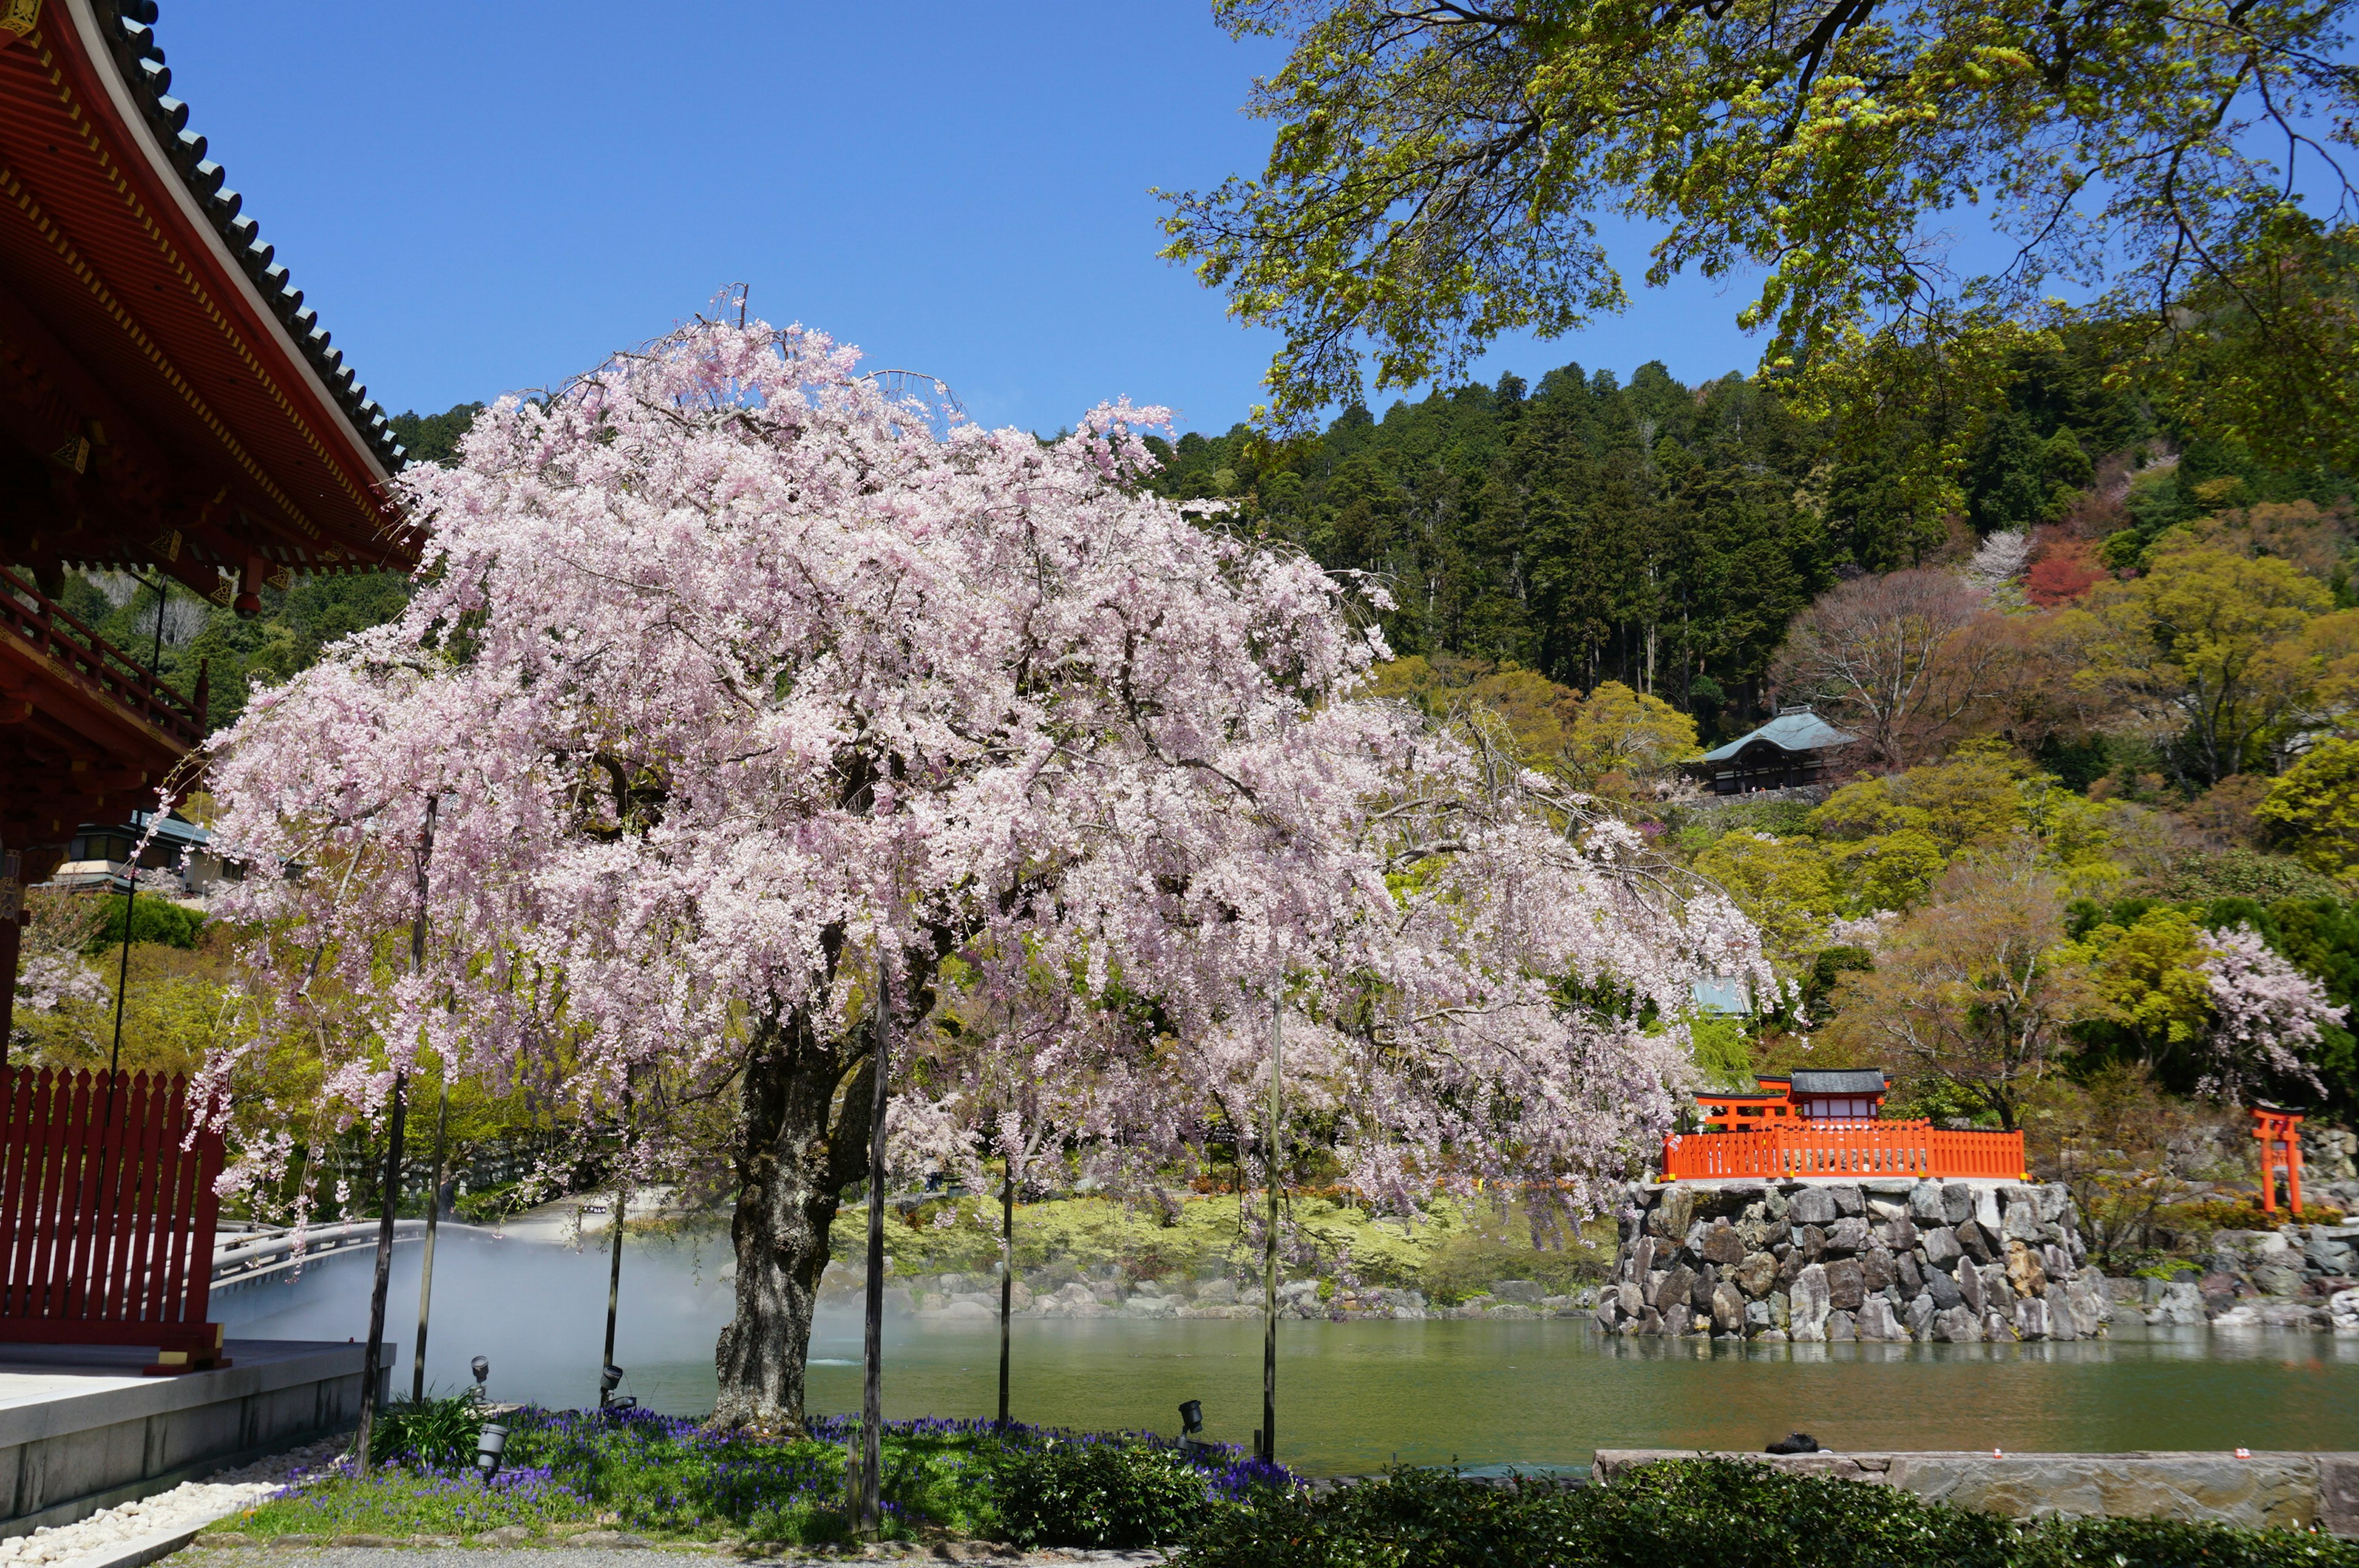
<point>668,1477</point>
<point>1730,1513</point>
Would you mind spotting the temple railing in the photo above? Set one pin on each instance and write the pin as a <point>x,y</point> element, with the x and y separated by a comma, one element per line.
<point>1789,1151</point>
<point>106,1214</point>
<point>32,617</point>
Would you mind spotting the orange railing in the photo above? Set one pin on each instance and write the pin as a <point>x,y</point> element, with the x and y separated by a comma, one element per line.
<point>95,664</point>
<point>1788,1150</point>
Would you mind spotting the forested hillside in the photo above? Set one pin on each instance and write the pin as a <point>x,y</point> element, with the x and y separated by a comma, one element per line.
<point>1664,536</point>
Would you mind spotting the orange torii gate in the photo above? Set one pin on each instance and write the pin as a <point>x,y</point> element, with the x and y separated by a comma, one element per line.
<point>2279,1132</point>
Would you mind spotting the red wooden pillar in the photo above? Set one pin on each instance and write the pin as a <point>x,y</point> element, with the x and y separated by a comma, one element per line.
<point>2279,1132</point>
<point>12,930</point>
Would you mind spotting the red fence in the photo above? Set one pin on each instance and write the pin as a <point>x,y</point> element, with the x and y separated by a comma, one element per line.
<point>1787,1149</point>
<point>106,1221</point>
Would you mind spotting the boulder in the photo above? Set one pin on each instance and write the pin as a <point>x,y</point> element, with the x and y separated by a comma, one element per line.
<point>1877,1320</point>
<point>1814,1206</point>
<point>2052,1200</point>
<point>1672,1294</point>
<point>1998,1295</point>
<point>1721,1244</point>
<point>1777,1200</point>
<point>1925,1203</point>
<point>2024,1271</point>
<point>1840,1325</point>
<point>2022,1222</point>
<point>2091,1304</point>
<point>1757,1317</point>
<point>1921,1313</point>
<point>1876,1268</point>
<point>1700,1293</point>
<point>2032,1320</point>
<point>1633,1299</point>
<point>2277,1278</point>
<point>1986,1209</point>
<point>1727,1309</point>
<point>1847,1284</point>
<point>1849,1199</point>
<point>2061,1323</point>
<point>1223,1293</point>
<point>1943,1290</point>
<point>1907,1275</point>
<point>1900,1235</point>
<point>1642,1258</point>
<point>2326,1252</point>
<point>1755,1274</point>
<point>1958,1326</point>
<point>1957,1203</point>
<point>1976,1241</point>
<point>1970,1287</point>
<point>2181,1302</point>
<point>1848,1235</point>
<point>1528,1291</point>
<point>1809,1302</point>
<point>1882,1212</point>
<point>1674,1211</point>
<point>1608,1314</point>
<point>2343,1310</point>
<point>1813,1243</point>
<point>1940,1246</point>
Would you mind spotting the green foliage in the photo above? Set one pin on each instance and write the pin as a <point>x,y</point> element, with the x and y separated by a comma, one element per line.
<point>1732,1514</point>
<point>153,919</point>
<point>2315,804</point>
<point>1097,1493</point>
<point>433,1432</point>
<point>2204,875</point>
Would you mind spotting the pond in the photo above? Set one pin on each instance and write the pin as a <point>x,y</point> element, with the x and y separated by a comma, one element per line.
<point>1353,1395</point>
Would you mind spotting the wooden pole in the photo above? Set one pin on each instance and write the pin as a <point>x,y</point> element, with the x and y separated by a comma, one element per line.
<point>872,1344</point>
<point>373,1358</point>
<point>1269,1253</point>
<point>1006,1273</point>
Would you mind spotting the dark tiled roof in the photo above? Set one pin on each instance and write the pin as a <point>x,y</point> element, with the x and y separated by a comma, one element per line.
<point>129,26</point>
<point>1848,1081</point>
<point>1797,729</point>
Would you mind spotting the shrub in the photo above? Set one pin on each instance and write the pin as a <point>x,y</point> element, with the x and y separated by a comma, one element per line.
<point>153,919</point>
<point>428,1435</point>
<point>1097,1493</point>
<point>1731,1514</point>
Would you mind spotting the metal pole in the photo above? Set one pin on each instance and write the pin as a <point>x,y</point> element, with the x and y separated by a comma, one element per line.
<point>433,1214</point>
<point>130,897</point>
<point>1269,1256</point>
<point>614,1267</point>
<point>872,1346</point>
<point>1006,1273</point>
<point>372,1359</point>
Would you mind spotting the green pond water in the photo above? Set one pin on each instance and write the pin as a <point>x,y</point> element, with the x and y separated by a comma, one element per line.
<point>1353,1395</point>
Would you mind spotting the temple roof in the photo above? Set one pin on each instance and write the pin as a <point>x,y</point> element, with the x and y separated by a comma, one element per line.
<point>1796,729</point>
<point>1845,1081</point>
<point>129,27</point>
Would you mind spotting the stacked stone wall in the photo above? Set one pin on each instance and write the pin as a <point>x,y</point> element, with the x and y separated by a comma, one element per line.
<point>1888,1260</point>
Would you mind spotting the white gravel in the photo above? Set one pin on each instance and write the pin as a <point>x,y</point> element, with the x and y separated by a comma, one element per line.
<point>185,1507</point>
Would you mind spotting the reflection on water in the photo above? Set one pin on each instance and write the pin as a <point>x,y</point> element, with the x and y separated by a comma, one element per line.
<point>1352,1395</point>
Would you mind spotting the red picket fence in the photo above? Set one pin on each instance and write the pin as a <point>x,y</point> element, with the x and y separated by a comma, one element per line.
<point>106,1220</point>
<point>1784,1151</point>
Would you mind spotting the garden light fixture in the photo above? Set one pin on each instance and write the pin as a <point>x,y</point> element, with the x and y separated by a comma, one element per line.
<point>489,1445</point>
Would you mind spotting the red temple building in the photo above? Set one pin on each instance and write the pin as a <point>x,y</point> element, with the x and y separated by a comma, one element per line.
<point>168,406</point>
<point>1828,1123</point>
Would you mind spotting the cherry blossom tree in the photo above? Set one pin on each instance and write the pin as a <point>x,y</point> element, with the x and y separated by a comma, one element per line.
<point>2266,1008</point>
<point>734,687</point>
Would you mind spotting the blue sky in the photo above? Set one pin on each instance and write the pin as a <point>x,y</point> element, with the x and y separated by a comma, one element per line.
<point>490,196</point>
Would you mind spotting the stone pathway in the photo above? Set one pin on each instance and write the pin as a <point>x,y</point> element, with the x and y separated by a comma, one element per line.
<point>610,1549</point>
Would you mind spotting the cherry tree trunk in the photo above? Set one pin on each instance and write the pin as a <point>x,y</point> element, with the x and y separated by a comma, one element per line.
<point>792,1167</point>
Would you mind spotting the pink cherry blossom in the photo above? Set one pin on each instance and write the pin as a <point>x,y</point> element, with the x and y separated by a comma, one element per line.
<point>734,684</point>
<point>2265,1008</point>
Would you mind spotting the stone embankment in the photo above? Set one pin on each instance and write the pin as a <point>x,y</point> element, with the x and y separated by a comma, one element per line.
<point>1107,1289</point>
<point>1888,1260</point>
<point>2296,1276</point>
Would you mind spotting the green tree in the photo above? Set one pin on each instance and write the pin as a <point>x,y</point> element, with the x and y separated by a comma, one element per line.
<point>1439,172</point>
<point>2315,805</point>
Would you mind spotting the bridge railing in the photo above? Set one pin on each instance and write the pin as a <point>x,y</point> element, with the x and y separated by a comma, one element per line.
<point>1789,1151</point>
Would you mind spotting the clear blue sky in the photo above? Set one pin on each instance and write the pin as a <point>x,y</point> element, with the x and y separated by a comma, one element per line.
<point>490,196</point>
